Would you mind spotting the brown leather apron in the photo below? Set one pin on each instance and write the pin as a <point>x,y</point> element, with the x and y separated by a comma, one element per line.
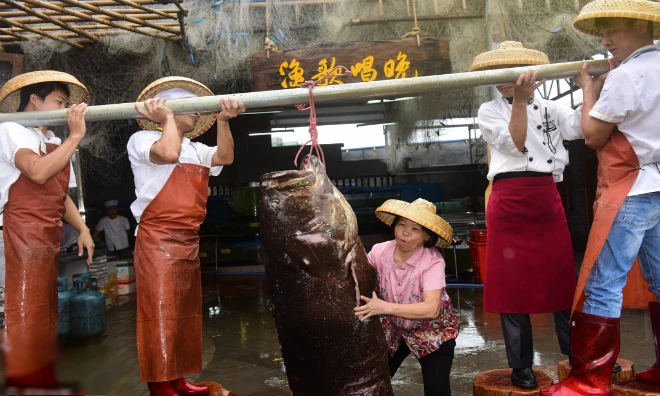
<point>32,230</point>
<point>617,172</point>
<point>168,278</point>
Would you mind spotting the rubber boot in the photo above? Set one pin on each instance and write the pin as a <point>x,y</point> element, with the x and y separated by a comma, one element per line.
<point>44,378</point>
<point>652,375</point>
<point>595,343</point>
<point>186,388</point>
<point>167,388</point>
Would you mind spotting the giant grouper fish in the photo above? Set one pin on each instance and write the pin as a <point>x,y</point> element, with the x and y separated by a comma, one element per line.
<point>317,269</point>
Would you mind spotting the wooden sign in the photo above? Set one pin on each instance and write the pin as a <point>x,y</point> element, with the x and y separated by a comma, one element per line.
<point>367,61</point>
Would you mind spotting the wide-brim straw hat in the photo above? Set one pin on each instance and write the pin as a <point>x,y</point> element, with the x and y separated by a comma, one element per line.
<point>634,9</point>
<point>509,53</point>
<point>205,120</point>
<point>421,212</point>
<point>10,93</point>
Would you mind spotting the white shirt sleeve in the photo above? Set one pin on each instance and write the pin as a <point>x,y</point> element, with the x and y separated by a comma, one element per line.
<point>570,122</point>
<point>206,154</point>
<point>495,130</point>
<point>619,96</point>
<point>100,226</point>
<point>139,147</point>
<point>14,137</point>
<point>127,226</point>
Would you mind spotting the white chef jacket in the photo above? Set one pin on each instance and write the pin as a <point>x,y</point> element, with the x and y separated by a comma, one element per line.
<point>562,123</point>
<point>14,137</point>
<point>631,99</point>
<point>149,177</point>
<point>114,231</point>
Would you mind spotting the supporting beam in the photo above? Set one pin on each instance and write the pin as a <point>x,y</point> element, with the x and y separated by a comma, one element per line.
<point>69,18</point>
<point>39,32</point>
<point>102,3</point>
<point>86,27</point>
<point>76,3</point>
<point>46,18</point>
<point>99,20</point>
<point>361,22</point>
<point>136,13</point>
<point>109,32</point>
<point>143,8</point>
<point>12,34</point>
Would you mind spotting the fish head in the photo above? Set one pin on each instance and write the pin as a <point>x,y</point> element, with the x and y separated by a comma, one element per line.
<point>305,218</point>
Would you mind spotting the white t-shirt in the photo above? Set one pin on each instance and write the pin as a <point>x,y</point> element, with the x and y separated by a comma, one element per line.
<point>114,231</point>
<point>631,99</point>
<point>563,123</point>
<point>14,137</point>
<point>149,177</point>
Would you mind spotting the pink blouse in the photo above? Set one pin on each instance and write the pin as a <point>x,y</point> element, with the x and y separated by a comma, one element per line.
<point>405,284</point>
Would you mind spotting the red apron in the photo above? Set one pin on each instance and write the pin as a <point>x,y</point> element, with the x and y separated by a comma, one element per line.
<point>530,265</point>
<point>617,173</point>
<point>32,229</point>
<point>168,278</point>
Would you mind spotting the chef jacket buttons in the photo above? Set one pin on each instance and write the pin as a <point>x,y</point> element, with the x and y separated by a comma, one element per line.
<point>531,159</point>
<point>549,161</point>
<point>536,107</point>
<point>539,127</point>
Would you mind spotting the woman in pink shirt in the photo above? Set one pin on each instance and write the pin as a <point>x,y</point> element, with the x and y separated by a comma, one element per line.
<point>415,310</point>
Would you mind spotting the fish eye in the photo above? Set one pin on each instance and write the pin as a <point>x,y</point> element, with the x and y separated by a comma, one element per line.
<point>274,204</point>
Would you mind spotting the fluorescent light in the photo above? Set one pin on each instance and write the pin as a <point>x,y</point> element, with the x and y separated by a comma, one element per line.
<point>270,132</point>
<point>375,124</point>
<point>390,100</point>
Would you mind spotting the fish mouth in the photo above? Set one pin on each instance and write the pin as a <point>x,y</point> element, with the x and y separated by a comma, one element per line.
<point>288,180</point>
<point>306,177</point>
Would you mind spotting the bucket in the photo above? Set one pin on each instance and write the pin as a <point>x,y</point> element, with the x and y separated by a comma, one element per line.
<point>478,255</point>
<point>478,235</point>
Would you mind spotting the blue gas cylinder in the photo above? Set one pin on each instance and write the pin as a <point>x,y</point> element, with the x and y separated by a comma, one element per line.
<point>83,278</point>
<point>63,307</point>
<point>88,311</point>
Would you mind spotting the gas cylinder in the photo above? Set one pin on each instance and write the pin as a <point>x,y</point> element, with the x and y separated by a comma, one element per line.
<point>83,279</point>
<point>63,307</point>
<point>87,311</point>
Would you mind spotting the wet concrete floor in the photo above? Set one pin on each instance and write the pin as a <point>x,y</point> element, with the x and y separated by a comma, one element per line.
<point>242,353</point>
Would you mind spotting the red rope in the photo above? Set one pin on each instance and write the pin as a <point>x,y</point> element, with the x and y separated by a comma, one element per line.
<point>313,132</point>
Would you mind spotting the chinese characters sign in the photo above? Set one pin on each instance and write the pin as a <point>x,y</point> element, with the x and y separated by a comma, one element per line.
<point>367,62</point>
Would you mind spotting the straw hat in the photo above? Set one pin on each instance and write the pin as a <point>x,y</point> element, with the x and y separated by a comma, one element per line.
<point>635,9</point>
<point>10,93</point>
<point>421,212</point>
<point>509,53</point>
<point>205,120</point>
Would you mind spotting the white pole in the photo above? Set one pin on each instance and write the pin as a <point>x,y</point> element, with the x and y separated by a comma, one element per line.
<point>328,94</point>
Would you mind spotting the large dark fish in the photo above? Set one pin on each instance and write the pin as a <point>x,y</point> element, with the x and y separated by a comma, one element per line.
<point>317,269</point>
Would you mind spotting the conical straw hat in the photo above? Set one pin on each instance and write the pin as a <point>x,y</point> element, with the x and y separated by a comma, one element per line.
<point>205,120</point>
<point>421,212</point>
<point>634,9</point>
<point>509,53</point>
<point>10,93</point>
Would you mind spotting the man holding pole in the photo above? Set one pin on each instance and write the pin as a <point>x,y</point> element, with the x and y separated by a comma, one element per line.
<point>35,174</point>
<point>171,185</point>
<point>529,254</point>
<point>620,119</point>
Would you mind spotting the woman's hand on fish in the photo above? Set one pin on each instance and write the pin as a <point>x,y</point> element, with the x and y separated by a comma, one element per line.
<point>374,307</point>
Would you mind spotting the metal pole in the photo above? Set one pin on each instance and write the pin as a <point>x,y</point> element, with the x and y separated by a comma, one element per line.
<point>333,93</point>
<point>79,184</point>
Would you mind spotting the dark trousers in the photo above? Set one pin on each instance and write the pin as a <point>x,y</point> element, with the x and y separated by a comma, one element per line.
<point>436,367</point>
<point>517,329</point>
